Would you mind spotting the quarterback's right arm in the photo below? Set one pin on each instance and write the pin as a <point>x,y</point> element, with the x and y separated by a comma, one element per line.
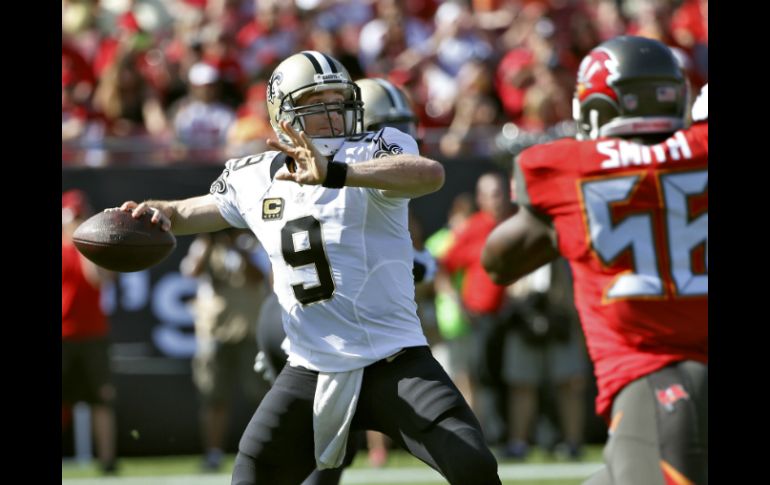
<point>188,216</point>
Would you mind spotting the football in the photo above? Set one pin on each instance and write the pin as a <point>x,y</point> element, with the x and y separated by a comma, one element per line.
<point>116,241</point>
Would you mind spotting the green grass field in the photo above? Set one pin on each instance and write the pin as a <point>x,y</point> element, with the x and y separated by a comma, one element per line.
<point>401,469</point>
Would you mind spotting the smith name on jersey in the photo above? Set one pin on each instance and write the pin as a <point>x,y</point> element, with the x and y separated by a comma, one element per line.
<point>342,258</point>
<point>633,222</point>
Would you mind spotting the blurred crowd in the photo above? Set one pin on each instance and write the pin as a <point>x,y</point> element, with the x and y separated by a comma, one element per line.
<point>165,81</point>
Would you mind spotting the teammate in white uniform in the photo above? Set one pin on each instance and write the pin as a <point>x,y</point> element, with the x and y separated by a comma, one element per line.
<point>330,207</point>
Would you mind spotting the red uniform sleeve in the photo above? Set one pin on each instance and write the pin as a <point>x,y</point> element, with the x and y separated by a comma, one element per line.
<point>545,169</point>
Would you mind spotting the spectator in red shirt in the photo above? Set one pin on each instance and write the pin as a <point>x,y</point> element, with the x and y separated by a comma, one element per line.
<point>690,29</point>
<point>84,328</point>
<point>531,80</point>
<point>127,99</point>
<point>512,80</point>
<point>608,19</point>
<point>690,23</point>
<point>74,67</point>
<point>82,126</point>
<point>128,36</point>
<point>651,19</point>
<point>221,51</point>
<point>251,127</point>
<point>483,300</point>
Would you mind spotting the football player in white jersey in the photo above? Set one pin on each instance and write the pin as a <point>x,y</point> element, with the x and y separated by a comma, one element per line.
<point>385,105</point>
<point>329,205</point>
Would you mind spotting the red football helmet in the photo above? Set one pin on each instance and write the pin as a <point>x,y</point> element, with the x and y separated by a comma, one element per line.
<point>629,86</point>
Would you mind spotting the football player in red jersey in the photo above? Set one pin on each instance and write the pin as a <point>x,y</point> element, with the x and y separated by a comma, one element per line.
<point>627,204</point>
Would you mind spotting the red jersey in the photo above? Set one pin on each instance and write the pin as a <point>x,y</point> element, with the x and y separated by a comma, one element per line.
<point>633,222</point>
<point>81,313</point>
<point>479,293</point>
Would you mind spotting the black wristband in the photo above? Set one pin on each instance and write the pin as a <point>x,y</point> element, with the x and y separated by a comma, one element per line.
<point>336,173</point>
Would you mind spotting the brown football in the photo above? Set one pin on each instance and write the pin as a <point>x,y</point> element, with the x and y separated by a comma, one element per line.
<point>116,241</point>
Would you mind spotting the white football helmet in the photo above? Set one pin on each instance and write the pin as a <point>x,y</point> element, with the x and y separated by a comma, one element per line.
<point>312,72</point>
<point>385,104</point>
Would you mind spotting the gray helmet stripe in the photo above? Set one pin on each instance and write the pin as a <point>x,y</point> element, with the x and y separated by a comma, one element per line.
<point>314,61</point>
<point>395,99</point>
<point>331,63</point>
<point>322,63</point>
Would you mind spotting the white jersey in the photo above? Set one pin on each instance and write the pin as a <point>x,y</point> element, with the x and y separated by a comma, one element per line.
<point>342,258</point>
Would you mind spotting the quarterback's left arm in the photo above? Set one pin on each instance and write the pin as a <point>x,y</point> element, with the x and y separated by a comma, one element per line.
<point>518,246</point>
<point>404,175</point>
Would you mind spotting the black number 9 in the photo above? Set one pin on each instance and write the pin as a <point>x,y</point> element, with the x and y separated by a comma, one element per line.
<point>314,255</point>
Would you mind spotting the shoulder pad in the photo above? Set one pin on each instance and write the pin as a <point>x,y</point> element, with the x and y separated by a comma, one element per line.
<point>390,141</point>
<point>279,160</point>
<point>239,163</point>
<point>366,136</point>
<point>376,135</point>
<point>219,186</point>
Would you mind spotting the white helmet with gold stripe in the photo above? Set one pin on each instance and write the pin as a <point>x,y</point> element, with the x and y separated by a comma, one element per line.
<point>312,72</point>
<point>385,104</point>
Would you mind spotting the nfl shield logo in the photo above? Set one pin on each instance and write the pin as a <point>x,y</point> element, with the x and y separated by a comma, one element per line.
<point>666,94</point>
<point>630,102</point>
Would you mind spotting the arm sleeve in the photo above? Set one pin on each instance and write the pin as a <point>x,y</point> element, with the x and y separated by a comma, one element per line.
<point>546,180</point>
<point>391,141</point>
<point>521,193</point>
<point>397,142</point>
<point>226,198</point>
